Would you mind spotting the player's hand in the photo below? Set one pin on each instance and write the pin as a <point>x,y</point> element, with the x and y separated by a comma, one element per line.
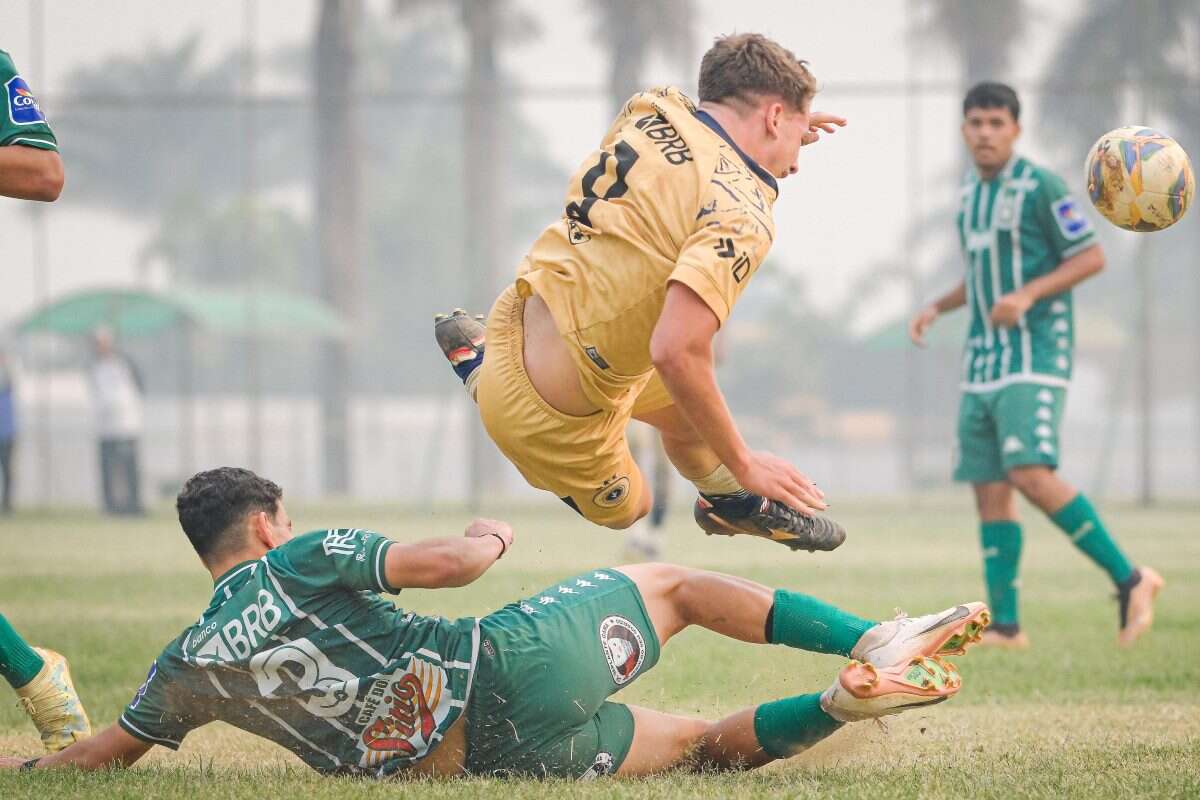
<point>819,121</point>
<point>1008,309</point>
<point>487,527</point>
<point>920,323</point>
<point>9,762</point>
<point>776,479</point>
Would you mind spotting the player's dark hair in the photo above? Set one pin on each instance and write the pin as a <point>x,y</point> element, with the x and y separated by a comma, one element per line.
<point>745,66</point>
<point>213,501</point>
<point>992,95</point>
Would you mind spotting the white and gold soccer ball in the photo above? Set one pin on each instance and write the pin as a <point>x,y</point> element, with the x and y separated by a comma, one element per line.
<point>1139,179</point>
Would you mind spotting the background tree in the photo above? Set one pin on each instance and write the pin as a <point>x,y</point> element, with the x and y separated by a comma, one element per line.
<point>1138,54</point>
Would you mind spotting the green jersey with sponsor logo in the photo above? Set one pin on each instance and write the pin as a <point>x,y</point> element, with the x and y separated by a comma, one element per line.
<point>298,647</point>
<point>1013,229</point>
<point>22,121</point>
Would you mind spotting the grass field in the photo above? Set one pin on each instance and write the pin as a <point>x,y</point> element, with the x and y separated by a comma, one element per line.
<point>1073,717</point>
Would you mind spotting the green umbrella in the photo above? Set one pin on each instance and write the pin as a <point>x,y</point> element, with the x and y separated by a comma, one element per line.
<point>134,312</point>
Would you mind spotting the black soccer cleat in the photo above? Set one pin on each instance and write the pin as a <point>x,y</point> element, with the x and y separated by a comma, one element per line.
<point>462,339</point>
<point>730,515</point>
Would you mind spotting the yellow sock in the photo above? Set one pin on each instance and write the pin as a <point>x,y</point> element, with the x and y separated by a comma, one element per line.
<point>719,481</point>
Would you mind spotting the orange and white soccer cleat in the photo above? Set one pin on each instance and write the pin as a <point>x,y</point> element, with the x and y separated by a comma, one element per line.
<point>864,691</point>
<point>947,633</point>
<point>53,704</point>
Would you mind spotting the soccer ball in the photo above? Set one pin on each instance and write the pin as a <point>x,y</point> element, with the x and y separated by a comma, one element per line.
<point>1139,179</point>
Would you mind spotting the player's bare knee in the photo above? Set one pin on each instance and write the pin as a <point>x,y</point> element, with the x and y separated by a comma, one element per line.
<point>1030,481</point>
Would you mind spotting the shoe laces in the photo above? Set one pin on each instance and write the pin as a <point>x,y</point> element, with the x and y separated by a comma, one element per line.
<point>47,706</point>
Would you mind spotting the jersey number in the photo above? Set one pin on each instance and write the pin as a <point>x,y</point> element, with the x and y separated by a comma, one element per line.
<point>626,157</point>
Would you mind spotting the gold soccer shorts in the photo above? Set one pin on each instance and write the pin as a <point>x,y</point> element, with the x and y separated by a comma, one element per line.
<point>585,461</point>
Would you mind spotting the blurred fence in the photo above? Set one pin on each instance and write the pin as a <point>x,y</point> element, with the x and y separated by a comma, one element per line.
<point>193,159</point>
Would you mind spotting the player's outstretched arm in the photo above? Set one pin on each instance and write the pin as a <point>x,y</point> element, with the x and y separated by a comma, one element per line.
<point>955,298</point>
<point>443,563</point>
<point>681,349</point>
<point>30,173</point>
<point>112,747</point>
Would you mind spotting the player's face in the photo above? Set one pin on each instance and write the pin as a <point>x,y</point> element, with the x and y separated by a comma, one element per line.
<point>990,134</point>
<point>786,128</point>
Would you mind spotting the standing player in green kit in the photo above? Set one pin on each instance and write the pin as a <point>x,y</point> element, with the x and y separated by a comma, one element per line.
<point>1026,243</point>
<point>30,169</point>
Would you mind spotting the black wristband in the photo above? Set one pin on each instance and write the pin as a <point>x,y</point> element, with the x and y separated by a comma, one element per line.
<point>503,544</point>
<point>30,764</point>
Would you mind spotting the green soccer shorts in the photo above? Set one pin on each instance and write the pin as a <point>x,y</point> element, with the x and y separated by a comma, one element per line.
<point>547,665</point>
<point>1015,426</point>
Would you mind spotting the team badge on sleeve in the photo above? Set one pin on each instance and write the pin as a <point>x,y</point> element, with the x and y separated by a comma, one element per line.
<point>1071,220</point>
<point>23,108</point>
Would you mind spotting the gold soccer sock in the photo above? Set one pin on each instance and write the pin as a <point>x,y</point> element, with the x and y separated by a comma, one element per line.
<point>718,482</point>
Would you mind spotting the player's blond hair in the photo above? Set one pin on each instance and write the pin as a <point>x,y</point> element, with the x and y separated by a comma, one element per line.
<point>745,67</point>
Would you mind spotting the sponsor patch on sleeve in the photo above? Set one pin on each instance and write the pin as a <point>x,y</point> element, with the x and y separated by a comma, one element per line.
<point>23,108</point>
<point>1072,222</point>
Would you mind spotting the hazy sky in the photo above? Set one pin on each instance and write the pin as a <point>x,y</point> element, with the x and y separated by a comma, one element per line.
<point>845,210</point>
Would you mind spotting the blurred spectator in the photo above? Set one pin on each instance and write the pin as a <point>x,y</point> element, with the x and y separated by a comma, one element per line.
<point>117,390</point>
<point>8,431</point>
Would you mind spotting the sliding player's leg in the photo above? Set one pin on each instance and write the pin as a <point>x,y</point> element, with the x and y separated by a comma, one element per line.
<point>42,681</point>
<point>783,728</point>
<point>898,666</point>
<point>677,597</point>
<point>724,507</point>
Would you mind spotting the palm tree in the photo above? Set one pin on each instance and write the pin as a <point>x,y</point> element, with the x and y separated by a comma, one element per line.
<point>981,33</point>
<point>339,215</point>
<point>1137,48</point>
<point>630,28</point>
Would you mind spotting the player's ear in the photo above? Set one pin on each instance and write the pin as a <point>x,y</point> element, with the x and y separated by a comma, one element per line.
<point>262,529</point>
<point>774,117</point>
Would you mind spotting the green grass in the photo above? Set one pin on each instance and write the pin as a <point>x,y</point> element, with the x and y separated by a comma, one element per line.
<point>1073,717</point>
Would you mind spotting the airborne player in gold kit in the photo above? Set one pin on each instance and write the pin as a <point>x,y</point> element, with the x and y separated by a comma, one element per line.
<point>615,307</point>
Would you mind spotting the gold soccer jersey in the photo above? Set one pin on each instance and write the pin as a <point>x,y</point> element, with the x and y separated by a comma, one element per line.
<point>668,197</point>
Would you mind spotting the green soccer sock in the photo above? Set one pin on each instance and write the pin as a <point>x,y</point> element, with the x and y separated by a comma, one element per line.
<point>19,664</point>
<point>1079,520</point>
<point>804,622</point>
<point>785,727</point>
<point>1001,540</point>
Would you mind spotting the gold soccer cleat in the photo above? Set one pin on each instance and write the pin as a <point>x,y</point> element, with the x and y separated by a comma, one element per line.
<point>53,705</point>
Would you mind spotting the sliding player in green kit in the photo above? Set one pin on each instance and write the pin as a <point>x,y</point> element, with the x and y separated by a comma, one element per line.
<point>297,646</point>
<point>30,169</point>
<point>1026,243</point>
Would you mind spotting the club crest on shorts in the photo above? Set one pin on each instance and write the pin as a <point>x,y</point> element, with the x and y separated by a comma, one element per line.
<point>624,648</point>
<point>612,493</point>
